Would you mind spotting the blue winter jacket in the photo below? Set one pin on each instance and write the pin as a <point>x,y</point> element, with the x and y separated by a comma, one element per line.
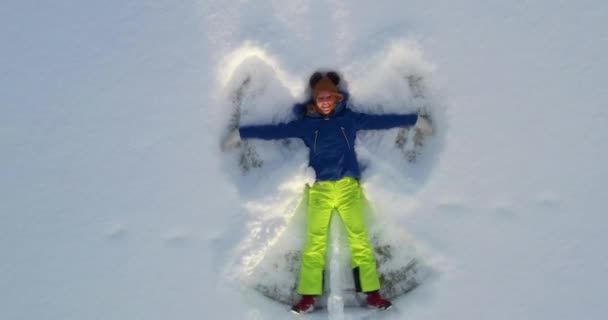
<point>331,139</point>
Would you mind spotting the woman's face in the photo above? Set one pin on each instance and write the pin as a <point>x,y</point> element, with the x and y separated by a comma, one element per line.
<point>326,102</point>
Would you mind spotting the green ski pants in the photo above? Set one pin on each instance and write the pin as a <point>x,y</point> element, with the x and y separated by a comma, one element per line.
<point>346,197</point>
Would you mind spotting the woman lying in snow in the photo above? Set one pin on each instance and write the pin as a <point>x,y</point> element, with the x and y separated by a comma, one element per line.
<point>329,129</point>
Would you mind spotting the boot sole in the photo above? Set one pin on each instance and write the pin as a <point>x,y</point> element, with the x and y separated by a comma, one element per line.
<point>381,309</point>
<point>303,312</point>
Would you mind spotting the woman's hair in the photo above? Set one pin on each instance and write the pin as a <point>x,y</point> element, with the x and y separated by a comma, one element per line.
<point>332,75</point>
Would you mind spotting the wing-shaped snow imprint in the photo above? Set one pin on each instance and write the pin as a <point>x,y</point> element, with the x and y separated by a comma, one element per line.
<point>415,83</point>
<point>248,157</point>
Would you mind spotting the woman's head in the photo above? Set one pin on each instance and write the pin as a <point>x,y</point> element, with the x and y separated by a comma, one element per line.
<point>325,95</point>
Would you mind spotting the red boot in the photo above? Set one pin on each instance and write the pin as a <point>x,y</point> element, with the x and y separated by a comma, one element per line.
<point>306,305</point>
<point>375,301</point>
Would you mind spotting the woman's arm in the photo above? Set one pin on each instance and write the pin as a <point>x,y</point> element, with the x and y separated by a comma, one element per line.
<point>365,121</point>
<point>274,131</point>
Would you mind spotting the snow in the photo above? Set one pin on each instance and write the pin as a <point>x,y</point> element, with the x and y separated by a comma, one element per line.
<point>116,202</point>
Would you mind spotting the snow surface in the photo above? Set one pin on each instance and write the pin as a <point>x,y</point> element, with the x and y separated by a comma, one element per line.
<point>117,204</point>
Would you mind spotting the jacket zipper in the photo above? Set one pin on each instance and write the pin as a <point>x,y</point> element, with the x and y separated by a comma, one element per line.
<point>314,149</point>
<point>345,138</point>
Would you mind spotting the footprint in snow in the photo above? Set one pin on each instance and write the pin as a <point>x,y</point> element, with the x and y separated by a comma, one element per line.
<point>177,237</point>
<point>451,205</point>
<point>502,208</point>
<point>548,199</point>
<point>117,231</point>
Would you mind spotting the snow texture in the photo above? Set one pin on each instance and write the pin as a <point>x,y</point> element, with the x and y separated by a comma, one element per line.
<point>116,202</point>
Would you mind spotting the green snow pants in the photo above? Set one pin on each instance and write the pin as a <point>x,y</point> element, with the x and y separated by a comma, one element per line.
<point>346,197</point>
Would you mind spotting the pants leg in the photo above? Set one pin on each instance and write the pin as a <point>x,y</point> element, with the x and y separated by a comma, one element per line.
<point>349,204</point>
<point>320,207</point>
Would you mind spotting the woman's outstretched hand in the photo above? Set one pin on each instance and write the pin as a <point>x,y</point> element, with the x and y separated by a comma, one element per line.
<point>424,125</point>
<point>231,141</point>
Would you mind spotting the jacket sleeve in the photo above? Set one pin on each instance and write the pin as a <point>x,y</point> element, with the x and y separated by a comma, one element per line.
<point>365,121</point>
<point>271,132</point>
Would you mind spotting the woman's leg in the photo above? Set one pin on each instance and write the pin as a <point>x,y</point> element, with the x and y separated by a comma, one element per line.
<point>320,207</point>
<point>350,208</point>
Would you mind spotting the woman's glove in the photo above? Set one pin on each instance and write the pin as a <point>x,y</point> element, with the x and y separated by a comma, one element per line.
<point>424,125</point>
<point>231,141</point>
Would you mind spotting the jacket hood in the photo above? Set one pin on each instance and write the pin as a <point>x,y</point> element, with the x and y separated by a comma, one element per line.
<point>302,110</point>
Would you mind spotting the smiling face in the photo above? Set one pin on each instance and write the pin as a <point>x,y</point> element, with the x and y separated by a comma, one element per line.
<point>325,102</point>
